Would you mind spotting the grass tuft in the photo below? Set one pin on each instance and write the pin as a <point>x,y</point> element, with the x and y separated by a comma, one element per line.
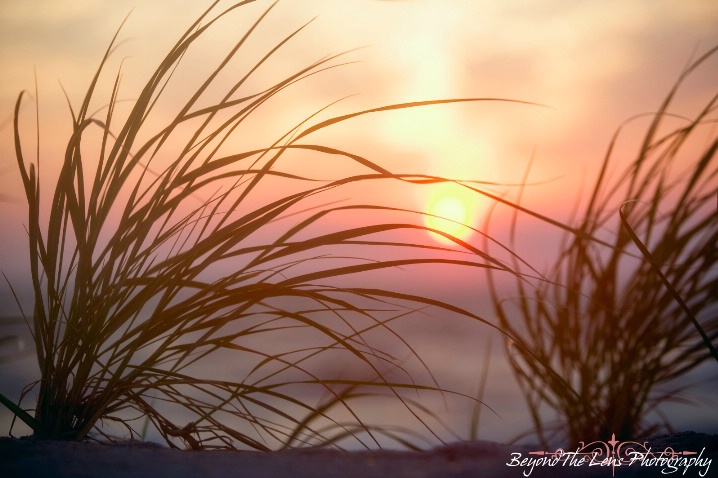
<point>630,303</point>
<point>165,286</point>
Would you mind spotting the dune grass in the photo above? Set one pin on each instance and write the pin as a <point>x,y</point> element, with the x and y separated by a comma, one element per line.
<point>145,270</point>
<point>630,303</point>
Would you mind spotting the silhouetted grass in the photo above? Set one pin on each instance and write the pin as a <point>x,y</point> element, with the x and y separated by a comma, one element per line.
<point>145,269</point>
<point>630,303</point>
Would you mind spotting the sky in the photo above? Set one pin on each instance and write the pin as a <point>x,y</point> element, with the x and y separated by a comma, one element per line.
<point>590,65</point>
<point>586,66</point>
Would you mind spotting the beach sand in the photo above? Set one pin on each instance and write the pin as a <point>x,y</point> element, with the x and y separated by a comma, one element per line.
<point>28,457</point>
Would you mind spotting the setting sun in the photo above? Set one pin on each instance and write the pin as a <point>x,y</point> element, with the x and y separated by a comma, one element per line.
<point>452,209</point>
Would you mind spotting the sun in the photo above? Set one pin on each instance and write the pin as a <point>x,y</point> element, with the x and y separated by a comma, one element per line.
<point>451,209</point>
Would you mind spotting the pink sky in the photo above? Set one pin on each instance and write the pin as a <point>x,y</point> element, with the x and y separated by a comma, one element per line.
<point>593,63</point>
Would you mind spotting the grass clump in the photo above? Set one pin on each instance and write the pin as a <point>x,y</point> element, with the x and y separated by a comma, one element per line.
<point>148,269</point>
<point>630,302</point>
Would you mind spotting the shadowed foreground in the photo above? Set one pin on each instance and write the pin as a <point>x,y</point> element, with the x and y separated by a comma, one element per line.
<point>27,457</point>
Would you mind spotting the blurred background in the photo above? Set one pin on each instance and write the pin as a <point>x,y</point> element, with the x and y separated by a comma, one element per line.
<point>591,64</point>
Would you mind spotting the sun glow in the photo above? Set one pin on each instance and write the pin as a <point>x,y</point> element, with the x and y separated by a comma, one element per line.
<point>451,209</point>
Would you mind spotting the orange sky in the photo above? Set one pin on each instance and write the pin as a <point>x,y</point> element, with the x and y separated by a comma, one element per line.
<point>593,63</point>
